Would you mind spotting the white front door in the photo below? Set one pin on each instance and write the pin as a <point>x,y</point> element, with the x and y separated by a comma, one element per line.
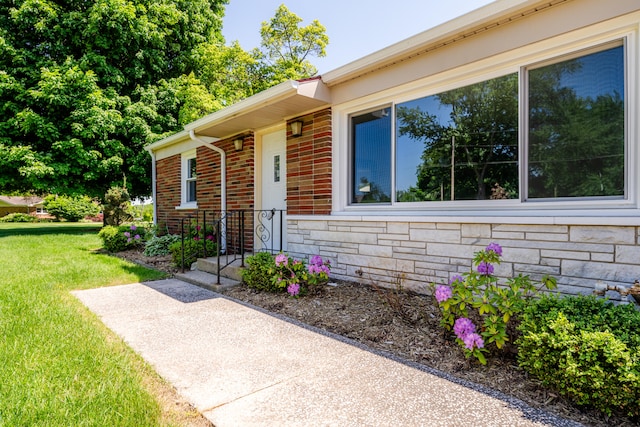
<point>274,191</point>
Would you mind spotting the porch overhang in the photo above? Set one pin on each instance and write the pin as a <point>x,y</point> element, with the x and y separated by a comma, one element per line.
<point>286,100</point>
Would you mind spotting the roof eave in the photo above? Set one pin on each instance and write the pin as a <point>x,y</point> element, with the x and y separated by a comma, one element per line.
<point>442,34</point>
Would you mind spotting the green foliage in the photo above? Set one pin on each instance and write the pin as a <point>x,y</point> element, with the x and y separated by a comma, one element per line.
<point>159,245</point>
<point>287,46</point>
<point>259,272</point>
<point>72,209</point>
<point>117,206</point>
<point>18,217</point>
<point>121,238</point>
<point>194,248</point>
<point>478,299</point>
<point>281,273</point>
<point>75,112</point>
<point>586,348</point>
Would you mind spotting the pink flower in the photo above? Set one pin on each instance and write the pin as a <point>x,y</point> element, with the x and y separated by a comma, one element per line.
<point>495,248</point>
<point>456,278</point>
<point>463,327</point>
<point>316,260</point>
<point>282,259</point>
<point>473,340</point>
<point>443,293</point>
<point>293,289</point>
<point>127,234</point>
<point>485,268</point>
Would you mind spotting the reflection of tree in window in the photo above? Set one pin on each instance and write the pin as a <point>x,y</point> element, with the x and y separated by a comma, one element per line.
<point>469,144</point>
<point>371,167</point>
<point>576,127</point>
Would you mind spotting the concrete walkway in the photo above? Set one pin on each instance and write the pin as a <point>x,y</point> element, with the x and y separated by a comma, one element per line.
<point>240,366</point>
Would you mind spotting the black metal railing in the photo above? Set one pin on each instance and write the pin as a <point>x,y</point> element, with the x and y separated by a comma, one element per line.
<point>235,233</point>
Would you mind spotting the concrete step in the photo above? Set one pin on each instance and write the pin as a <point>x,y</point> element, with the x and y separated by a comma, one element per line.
<point>207,280</point>
<point>210,265</point>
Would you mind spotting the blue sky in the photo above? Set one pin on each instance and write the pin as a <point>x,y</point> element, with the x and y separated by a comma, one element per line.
<point>355,27</point>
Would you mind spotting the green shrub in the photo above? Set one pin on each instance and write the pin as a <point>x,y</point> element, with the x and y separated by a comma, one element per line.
<point>18,217</point>
<point>72,209</point>
<point>193,249</point>
<point>265,272</point>
<point>117,239</point>
<point>117,206</point>
<point>478,310</point>
<point>259,272</point>
<point>586,348</point>
<point>159,245</point>
<point>113,238</point>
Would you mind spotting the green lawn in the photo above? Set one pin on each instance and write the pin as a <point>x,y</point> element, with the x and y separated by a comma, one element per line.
<point>59,366</point>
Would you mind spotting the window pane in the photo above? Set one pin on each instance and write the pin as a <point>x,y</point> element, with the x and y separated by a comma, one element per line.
<point>371,133</point>
<point>276,168</point>
<point>459,145</point>
<point>576,127</point>
<point>191,191</point>
<point>191,168</point>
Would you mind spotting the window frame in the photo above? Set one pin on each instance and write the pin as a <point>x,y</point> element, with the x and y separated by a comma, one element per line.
<point>555,50</point>
<point>185,179</point>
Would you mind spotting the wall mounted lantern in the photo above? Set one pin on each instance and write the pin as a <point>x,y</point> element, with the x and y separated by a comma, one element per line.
<point>237,143</point>
<point>296,128</point>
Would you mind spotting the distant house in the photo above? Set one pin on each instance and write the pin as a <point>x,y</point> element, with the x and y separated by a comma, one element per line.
<point>31,205</point>
<point>516,123</point>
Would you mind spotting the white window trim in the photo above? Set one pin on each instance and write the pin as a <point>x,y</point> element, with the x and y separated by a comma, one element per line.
<point>184,161</point>
<point>623,28</point>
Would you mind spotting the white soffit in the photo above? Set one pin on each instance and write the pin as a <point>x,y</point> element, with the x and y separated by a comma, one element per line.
<point>264,109</point>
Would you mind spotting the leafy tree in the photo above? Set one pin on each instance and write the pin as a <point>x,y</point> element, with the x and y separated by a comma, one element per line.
<point>287,46</point>
<point>117,206</point>
<point>85,85</point>
<point>83,88</point>
<point>231,74</point>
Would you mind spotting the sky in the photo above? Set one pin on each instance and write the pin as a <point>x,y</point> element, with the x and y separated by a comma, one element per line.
<point>355,27</point>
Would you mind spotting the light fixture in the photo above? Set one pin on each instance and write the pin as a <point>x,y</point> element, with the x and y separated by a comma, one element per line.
<point>296,128</point>
<point>237,143</point>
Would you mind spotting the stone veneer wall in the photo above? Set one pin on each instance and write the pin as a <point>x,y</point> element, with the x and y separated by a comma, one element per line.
<point>424,252</point>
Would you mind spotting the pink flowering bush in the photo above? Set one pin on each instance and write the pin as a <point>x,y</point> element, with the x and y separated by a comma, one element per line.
<point>282,273</point>
<point>477,295</point>
<point>298,278</point>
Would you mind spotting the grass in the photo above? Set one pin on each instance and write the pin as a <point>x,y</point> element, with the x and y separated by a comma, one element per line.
<point>59,366</point>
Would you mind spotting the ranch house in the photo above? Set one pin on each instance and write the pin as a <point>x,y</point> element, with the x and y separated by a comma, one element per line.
<point>516,123</point>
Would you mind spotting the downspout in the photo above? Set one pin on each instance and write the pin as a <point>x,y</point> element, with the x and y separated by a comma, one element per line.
<point>223,180</point>
<point>153,187</point>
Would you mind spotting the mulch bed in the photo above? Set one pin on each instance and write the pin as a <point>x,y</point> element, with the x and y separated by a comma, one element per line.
<point>405,325</point>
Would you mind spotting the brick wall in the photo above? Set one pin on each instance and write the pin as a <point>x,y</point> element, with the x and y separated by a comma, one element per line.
<point>240,183</point>
<point>309,166</point>
<point>368,251</point>
<point>168,193</point>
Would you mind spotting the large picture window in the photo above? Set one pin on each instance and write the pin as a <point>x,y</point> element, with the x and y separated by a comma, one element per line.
<point>459,145</point>
<point>467,143</point>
